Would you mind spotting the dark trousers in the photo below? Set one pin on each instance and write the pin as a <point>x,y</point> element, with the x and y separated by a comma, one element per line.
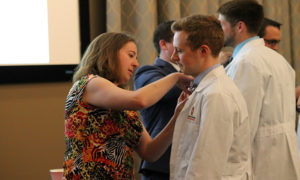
<point>152,175</point>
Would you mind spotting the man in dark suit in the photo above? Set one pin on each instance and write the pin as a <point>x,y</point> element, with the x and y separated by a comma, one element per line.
<point>157,116</point>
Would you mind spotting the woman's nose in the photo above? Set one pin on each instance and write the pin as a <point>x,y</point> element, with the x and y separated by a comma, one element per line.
<point>135,63</point>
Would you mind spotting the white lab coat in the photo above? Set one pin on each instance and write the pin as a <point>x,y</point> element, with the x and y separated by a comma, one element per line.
<point>298,135</point>
<point>211,139</point>
<point>267,82</point>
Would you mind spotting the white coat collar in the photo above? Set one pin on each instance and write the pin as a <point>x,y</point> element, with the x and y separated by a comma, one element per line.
<point>210,77</point>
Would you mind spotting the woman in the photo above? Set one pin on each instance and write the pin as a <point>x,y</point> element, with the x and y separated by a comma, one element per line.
<point>100,130</point>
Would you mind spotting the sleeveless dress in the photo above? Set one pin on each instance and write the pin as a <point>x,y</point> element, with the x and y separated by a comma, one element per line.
<point>99,142</point>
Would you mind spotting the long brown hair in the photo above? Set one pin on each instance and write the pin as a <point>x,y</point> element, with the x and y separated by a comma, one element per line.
<point>101,56</point>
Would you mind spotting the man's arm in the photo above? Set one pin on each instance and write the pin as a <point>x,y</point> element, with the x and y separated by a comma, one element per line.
<point>250,83</point>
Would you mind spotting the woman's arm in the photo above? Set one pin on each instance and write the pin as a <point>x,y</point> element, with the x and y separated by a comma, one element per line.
<point>103,93</point>
<point>152,149</point>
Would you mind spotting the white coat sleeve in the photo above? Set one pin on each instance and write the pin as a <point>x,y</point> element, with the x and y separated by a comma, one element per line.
<point>212,146</point>
<point>250,82</point>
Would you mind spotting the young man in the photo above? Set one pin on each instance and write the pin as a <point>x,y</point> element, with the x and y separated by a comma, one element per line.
<point>157,116</point>
<point>267,83</point>
<point>270,32</point>
<point>211,138</point>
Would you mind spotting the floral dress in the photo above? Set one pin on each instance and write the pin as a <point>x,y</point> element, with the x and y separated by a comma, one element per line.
<point>99,142</point>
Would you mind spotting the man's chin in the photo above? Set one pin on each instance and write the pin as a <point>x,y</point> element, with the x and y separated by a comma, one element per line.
<point>229,44</point>
<point>186,72</point>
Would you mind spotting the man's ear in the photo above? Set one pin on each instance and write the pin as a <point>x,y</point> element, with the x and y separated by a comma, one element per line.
<point>163,44</point>
<point>204,50</point>
<point>241,26</point>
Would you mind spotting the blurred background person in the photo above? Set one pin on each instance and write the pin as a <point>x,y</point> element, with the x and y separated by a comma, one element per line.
<point>157,116</point>
<point>270,32</point>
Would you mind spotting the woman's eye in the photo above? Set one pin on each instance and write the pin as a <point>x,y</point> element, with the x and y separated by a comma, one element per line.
<point>131,55</point>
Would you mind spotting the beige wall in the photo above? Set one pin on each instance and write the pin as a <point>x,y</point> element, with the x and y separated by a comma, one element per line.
<point>31,129</point>
<point>32,121</point>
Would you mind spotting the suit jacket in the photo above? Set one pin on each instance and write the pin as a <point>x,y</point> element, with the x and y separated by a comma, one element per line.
<point>156,117</point>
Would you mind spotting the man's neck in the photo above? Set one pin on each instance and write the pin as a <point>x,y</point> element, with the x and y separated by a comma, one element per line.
<point>243,38</point>
<point>164,57</point>
<point>208,64</point>
<point>169,61</point>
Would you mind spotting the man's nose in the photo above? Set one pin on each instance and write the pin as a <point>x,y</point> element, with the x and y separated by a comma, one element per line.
<point>276,47</point>
<point>174,57</point>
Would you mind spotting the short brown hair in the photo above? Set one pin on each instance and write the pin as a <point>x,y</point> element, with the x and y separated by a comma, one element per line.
<point>202,30</point>
<point>267,22</point>
<point>248,11</point>
<point>101,56</point>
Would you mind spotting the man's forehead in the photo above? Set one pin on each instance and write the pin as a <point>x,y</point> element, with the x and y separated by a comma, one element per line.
<point>271,27</point>
<point>180,38</point>
<point>221,17</point>
<point>272,31</point>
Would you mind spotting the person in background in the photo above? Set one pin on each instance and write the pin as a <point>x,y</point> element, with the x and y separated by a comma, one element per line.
<point>211,138</point>
<point>101,127</point>
<point>270,32</point>
<point>298,124</point>
<point>157,116</point>
<point>267,82</point>
<point>225,57</point>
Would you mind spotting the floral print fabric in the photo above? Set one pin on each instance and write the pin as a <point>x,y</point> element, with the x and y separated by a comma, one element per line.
<point>99,142</point>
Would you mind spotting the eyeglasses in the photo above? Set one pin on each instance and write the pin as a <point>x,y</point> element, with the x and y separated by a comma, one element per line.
<point>272,41</point>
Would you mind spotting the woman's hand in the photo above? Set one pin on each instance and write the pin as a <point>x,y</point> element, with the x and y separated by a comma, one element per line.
<point>181,102</point>
<point>184,82</point>
<point>151,149</point>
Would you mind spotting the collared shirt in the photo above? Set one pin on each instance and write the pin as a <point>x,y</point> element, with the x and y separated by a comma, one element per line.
<point>199,78</point>
<point>203,74</point>
<point>173,64</point>
<point>239,46</point>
